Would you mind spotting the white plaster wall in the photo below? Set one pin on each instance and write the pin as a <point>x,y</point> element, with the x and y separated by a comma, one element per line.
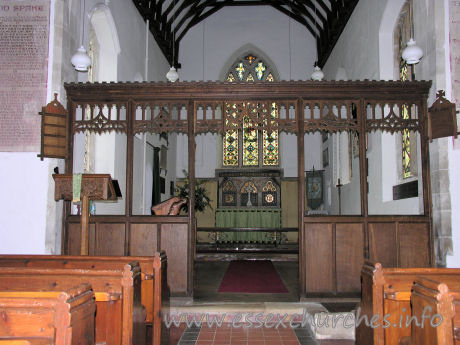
<point>23,203</point>
<point>233,27</point>
<point>31,219</point>
<point>350,194</point>
<point>143,170</point>
<point>205,52</point>
<point>357,50</point>
<point>454,168</point>
<point>452,94</point>
<point>131,33</point>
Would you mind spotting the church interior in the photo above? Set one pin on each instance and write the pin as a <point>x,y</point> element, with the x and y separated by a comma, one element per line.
<point>319,138</point>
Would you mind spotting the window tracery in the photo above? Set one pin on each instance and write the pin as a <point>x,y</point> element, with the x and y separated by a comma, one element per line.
<point>247,146</point>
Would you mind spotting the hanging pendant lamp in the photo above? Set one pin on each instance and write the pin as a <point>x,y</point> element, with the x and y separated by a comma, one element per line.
<point>317,74</point>
<point>172,75</point>
<point>412,53</point>
<point>80,60</point>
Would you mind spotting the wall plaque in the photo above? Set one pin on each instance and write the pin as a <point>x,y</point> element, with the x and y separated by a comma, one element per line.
<point>24,27</point>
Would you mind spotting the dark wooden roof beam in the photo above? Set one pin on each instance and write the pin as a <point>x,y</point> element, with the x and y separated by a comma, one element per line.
<point>292,5</point>
<point>294,16</point>
<point>171,20</point>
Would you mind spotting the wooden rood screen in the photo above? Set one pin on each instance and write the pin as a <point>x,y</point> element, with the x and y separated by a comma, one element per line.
<point>331,249</point>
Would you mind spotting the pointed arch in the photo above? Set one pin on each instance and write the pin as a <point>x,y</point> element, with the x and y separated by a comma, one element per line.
<point>243,51</point>
<point>109,45</point>
<point>386,51</point>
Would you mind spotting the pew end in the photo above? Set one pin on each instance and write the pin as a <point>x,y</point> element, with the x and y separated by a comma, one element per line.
<point>48,317</point>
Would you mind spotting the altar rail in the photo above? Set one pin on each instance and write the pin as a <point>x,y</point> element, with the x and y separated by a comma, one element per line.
<point>276,242</point>
<point>139,236</point>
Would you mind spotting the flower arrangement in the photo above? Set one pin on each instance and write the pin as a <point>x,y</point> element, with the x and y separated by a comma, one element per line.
<point>202,199</point>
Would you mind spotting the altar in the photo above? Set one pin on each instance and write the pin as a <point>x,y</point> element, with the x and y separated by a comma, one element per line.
<point>248,218</point>
<point>248,198</point>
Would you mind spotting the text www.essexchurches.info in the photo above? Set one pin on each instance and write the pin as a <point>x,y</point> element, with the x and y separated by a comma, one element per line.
<point>348,320</point>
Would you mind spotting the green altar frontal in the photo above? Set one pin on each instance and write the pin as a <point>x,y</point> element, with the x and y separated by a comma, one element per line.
<point>248,218</point>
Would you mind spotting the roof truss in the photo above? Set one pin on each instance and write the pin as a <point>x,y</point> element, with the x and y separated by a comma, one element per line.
<point>170,20</point>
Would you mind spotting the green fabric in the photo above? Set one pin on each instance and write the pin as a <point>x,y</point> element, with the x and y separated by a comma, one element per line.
<point>76,187</point>
<point>248,218</point>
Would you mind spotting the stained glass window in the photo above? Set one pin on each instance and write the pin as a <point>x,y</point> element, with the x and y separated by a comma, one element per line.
<point>230,145</point>
<point>231,148</point>
<point>240,70</point>
<point>248,146</point>
<point>260,69</point>
<point>251,68</point>
<point>270,150</point>
<point>406,158</point>
<point>406,72</point>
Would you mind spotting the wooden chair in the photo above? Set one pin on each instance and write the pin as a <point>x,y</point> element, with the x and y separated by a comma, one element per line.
<point>386,292</point>
<point>154,288</point>
<point>47,317</point>
<point>120,317</point>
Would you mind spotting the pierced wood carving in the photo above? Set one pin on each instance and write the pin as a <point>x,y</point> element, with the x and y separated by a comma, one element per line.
<point>100,117</point>
<point>160,117</point>
<point>329,116</point>
<point>392,116</point>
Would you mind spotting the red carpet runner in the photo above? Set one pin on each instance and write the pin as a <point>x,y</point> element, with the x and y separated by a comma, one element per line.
<point>258,276</point>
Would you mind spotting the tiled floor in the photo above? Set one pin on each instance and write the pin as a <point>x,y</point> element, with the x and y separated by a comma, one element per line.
<point>226,335</point>
<point>208,275</point>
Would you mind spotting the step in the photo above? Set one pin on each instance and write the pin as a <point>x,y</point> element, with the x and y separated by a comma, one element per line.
<point>323,325</point>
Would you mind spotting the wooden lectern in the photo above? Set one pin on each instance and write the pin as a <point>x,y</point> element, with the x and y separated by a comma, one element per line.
<point>93,187</point>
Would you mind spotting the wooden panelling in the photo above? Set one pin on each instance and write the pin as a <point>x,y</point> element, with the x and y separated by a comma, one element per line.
<point>335,250</point>
<point>110,239</point>
<point>382,244</point>
<point>319,258</point>
<point>349,258</point>
<point>143,239</point>
<point>414,245</point>
<point>73,239</point>
<point>174,240</point>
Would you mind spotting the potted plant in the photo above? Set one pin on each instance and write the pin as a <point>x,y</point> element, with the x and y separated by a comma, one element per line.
<point>202,199</point>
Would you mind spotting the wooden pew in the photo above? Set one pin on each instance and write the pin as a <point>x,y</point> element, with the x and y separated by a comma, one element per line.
<point>386,292</point>
<point>48,317</point>
<point>154,288</point>
<point>441,299</point>
<point>120,317</point>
